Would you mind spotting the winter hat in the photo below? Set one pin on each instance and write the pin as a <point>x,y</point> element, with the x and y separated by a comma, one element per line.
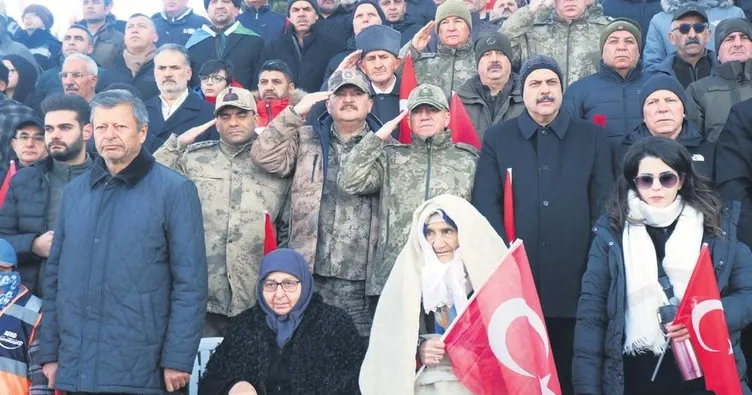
<point>492,41</point>
<point>313,4</point>
<point>43,13</point>
<point>452,8</point>
<point>236,3</point>
<point>539,62</point>
<point>662,82</point>
<point>619,24</point>
<point>375,5</point>
<point>378,38</point>
<point>731,26</point>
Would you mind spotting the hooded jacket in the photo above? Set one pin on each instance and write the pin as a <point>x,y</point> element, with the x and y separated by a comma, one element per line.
<point>268,109</point>
<point>657,45</point>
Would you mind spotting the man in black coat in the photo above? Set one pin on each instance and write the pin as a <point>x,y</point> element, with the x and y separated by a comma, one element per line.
<point>335,20</point>
<point>135,65</point>
<point>304,46</point>
<point>177,22</point>
<point>396,18</point>
<point>380,46</point>
<point>226,39</point>
<point>562,175</point>
<point>177,108</point>
<point>28,215</point>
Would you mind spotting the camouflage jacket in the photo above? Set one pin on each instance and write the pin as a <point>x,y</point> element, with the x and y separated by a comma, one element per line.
<point>406,176</point>
<point>291,148</point>
<point>448,68</point>
<point>234,194</point>
<point>575,45</point>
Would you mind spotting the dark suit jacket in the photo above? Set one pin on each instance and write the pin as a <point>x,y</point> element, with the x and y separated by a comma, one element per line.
<point>193,112</point>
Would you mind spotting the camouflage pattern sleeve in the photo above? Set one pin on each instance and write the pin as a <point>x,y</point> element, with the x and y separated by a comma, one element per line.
<point>170,152</point>
<point>515,28</point>
<point>362,172</point>
<point>276,148</point>
<point>409,49</point>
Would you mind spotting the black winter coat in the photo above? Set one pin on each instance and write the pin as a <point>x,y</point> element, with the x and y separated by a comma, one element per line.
<point>323,356</point>
<point>562,176</point>
<point>23,218</point>
<point>598,366</point>
<point>339,25</point>
<point>43,45</point>
<point>703,152</point>
<point>144,81</point>
<point>308,64</point>
<point>193,112</point>
<point>126,284</point>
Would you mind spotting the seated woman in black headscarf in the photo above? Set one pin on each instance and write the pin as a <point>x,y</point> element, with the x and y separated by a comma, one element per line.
<point>290,342</point>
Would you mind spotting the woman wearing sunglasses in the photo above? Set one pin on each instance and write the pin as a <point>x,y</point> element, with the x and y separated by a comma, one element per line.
<point>290,342</point>
<point>663,114</point>
<point>661,213</point>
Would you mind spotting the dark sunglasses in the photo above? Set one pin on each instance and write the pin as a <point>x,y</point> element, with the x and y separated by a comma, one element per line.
<point>684,27</point>
<point>667,180</point>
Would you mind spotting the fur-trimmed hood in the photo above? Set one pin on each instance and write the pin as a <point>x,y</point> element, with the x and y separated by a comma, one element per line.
<point>673,5</point>
<point>295,96</point>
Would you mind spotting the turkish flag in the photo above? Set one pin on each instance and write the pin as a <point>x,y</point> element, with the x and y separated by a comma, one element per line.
<point>600,120</point>
<point>701,312</point>
<point>407,84</point>
<point>460,125</point>
<point>6,182</point>
<point>509,208</point>
<point>270,236</point>
<point>499,344</point>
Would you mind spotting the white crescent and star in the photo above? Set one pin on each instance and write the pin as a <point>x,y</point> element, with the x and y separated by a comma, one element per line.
<point>501,320</point>
<point>698,312</point>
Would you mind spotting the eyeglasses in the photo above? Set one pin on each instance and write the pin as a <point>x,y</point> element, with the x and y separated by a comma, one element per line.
<point>75,75</point>
<point>26,138</point>
<point>698,27</point>
<point>667,180</point>
<point>215,79</point>
<point>287,285</point>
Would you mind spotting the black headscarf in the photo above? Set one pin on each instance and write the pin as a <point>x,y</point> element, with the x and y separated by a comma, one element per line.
<point>27,77</point>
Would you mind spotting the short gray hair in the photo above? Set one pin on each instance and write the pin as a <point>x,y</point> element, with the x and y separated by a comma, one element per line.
<point>169,47</point>
<point>91,65</point>
<point>116,97</point>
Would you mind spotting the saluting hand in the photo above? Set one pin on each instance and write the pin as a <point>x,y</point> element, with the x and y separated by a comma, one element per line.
<point>385,132</point>
<point>423,36</point>
<point>307,102</point>
<point>190,135</point>
<point>350,61</point>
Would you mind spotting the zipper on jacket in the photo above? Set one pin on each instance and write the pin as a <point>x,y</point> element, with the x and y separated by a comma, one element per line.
<point>313,169</point>
<point>268,110</point>
<point>429,143</point>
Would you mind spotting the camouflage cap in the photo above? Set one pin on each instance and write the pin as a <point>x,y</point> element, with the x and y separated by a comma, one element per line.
<point>235,97</point>
<point>427,94</point>
<point>353,77</point>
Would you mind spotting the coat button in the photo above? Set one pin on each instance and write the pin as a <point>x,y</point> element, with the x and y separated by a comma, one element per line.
<point>720,263</point>
<point>544,132</point>
<point>610,243</point>
<point>96,240</point>
<point>545,203</point>
<point>544,167</point>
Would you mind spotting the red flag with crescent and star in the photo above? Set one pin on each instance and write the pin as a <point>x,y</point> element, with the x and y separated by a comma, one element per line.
<point>499,345</point>
<point>407,84</point>
<point>270,236</point>
<point>701,312</point>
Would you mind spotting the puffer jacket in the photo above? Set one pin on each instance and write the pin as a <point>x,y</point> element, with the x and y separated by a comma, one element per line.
<point>607,93</point>
<point>479,110</point>
<point>710,99</point>
<point>268,109</point>
<point>405,175</point>
<point>598,365</point>
<point>657,44</point>
<point>126,285</point>
<point>573,45</point>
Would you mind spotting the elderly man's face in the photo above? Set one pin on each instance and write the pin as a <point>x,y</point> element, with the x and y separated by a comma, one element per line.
<point>571,9</point>
<point>494,67</point>
<point>621,51</point>
<point>28,144</point>
<point>443,238</point>
<point>394,10</point>
<point>302,16</point>
<point>505,8</point>
<point>453,32</point>
<point>364,16</point>
<point>172,72</point>
<point>116,134</point>
<point>349,104</point>
<point>379,66</point>
<point>76,79</point>
<point>663,113</point>
<point>140,34</point>
<point>427,121</point>
<point>328,6</point>
<point>542,93</point>
<point>736,46</point>
<point>236,126</point>
<point>686,38</point>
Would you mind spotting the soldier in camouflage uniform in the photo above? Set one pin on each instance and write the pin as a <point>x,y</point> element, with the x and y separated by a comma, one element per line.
<point>406,175</point>
<point>234,194</point>
<point>334,231</point>
<point>454,61</point>
<point>569,33</point>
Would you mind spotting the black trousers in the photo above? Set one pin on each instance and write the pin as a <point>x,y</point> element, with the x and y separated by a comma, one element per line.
<point>561,335</point>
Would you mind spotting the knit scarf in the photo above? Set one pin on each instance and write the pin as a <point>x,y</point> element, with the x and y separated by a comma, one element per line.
<point>643,331</point>
<point>134,62</point>
<point>10,286</point>
<point>444,284</point>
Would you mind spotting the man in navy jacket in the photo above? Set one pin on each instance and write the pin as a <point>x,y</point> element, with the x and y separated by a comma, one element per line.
<point>258,16</point>
<point>177,22</point>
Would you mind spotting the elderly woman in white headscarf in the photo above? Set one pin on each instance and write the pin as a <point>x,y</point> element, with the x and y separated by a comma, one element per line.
<point>451,251</point>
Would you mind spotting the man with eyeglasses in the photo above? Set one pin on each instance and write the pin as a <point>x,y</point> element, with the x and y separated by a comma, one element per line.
<point>28,142</point>
<point>234,193</point>
<point>31,207</point>
<point>79,76</point>
<point>11,113</point>
<point>176,109</point>
<point>658,44</point>
<point>710,99</point>
<point>690,33</point>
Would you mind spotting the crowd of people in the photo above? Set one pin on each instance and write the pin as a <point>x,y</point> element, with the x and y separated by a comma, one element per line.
<point>153,164</point>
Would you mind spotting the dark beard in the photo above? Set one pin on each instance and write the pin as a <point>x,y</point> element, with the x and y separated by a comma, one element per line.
<point>70,152</point>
